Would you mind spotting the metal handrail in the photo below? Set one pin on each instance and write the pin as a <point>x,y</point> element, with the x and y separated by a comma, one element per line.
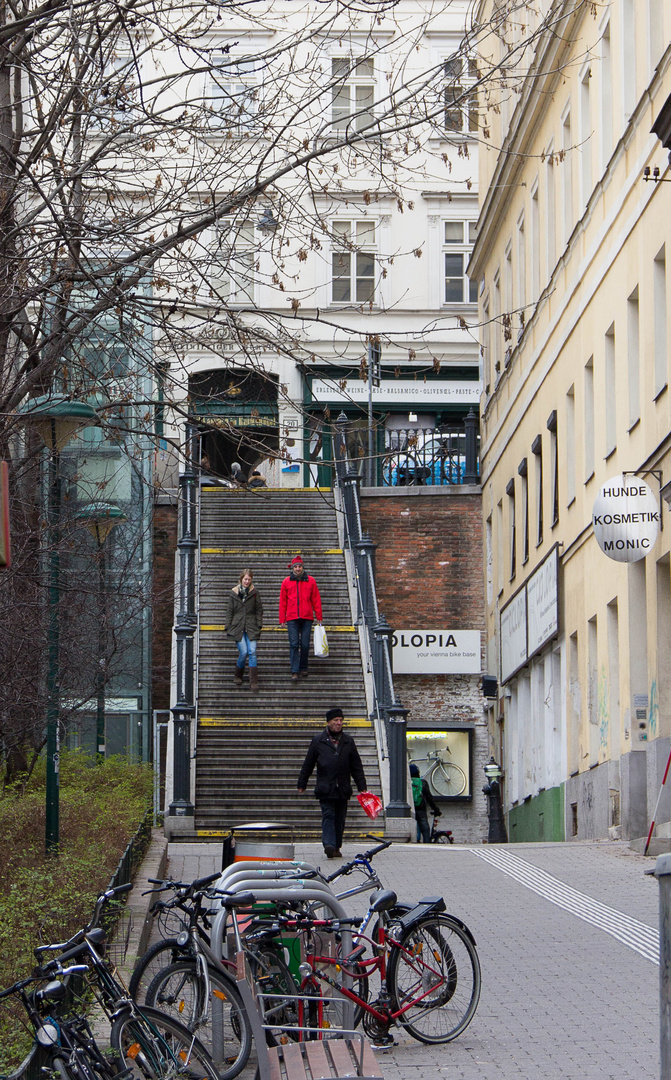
<point>386,707</point>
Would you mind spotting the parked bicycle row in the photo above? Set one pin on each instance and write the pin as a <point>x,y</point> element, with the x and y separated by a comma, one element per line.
<point>261,952</point>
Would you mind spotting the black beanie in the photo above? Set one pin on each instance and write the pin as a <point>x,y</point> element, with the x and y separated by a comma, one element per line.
<point>332,713</point>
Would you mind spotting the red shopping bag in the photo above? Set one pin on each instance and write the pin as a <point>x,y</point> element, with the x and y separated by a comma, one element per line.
<point>372,804</point>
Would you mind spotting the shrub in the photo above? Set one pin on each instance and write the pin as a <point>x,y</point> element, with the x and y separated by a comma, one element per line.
<point>44,900</point>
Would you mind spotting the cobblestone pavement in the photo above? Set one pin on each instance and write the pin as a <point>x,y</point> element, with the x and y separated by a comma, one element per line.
<point>561,998</point>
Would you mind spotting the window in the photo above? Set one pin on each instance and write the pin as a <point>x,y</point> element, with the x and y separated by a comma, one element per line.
<point>522,470</point>
<point>633,338</point>
<point>659,302</point>
<point>606,99</point>
<point>510,492</point>
<point>567,178</point>
<point>535,243</point>
<point>589,419</point>
<point>459,237</point>
<point>585,136</point>
<point>554,466</point>
<point>233,97</point>
<point>628,58</point>
<point>521,270</point>
<point>570,446</point>
<point>461,108</point>
<point>609,371</point>
<point>537,451</point>
<point>353,262</point>
<point>550,214</point>
<point>233,263</point>
<point>353,93</point>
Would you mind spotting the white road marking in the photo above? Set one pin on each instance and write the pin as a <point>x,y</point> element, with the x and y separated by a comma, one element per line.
<point>636,935</point>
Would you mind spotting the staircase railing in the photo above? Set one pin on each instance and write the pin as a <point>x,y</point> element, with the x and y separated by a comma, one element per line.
<point>387,709</point>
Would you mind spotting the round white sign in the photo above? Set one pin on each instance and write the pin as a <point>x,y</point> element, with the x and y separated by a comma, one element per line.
<point>626,518</point>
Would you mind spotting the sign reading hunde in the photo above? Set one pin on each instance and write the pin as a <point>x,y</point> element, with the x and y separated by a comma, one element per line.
<point>626,518</point>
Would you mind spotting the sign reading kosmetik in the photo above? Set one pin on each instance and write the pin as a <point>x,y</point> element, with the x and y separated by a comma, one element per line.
<point>625,518</point>
<point>436,652</point>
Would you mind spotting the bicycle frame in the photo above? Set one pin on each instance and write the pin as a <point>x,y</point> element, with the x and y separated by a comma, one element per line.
<point>375,963</point>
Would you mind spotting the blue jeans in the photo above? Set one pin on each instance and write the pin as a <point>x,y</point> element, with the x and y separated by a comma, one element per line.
<point>334,812</point>
<point>246,648</point>
<point>299,643</point>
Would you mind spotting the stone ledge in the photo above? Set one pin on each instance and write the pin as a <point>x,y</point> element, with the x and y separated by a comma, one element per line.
<point>659,845</point>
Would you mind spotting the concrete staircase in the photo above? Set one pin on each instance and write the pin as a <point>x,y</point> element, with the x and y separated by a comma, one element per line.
<point>250,746</point>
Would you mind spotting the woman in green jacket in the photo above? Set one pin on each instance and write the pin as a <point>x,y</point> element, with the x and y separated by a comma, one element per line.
<point>244,622</point>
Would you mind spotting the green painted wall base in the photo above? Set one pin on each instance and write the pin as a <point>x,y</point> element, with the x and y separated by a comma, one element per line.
<point>540,818</point>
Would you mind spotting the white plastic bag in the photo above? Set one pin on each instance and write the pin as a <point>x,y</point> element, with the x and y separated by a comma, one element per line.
<point>320,641</point>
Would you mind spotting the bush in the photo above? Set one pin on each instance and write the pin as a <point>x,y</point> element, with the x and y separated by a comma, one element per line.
<point>44,900</point>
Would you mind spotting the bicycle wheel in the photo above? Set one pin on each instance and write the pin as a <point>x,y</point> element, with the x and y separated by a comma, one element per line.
<point>220,1023</point>
<point>157,957</point>
<point>153,1046</point>
<point>272,976</point>
<point>448,779</point>
<point>434,976</point>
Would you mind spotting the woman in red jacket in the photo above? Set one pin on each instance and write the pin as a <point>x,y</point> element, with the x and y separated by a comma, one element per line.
<point>300,603</point>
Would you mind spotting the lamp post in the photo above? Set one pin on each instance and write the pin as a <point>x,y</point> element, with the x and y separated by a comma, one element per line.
<point>100,518</point>
<point>57,419</point>
<point>492,789</point>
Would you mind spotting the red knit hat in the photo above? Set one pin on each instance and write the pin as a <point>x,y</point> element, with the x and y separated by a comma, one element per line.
<point>294,562</point>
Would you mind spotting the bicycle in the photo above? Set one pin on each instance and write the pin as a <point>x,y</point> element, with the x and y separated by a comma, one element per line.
<point>184,978</point>
<point>430,984</point>
<point>440,836</point>
<point>64,1042</point>
<point>444,778</point>
<point>145,1044</point>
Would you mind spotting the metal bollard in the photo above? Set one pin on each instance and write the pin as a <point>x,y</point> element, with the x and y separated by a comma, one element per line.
<point>662,872</point>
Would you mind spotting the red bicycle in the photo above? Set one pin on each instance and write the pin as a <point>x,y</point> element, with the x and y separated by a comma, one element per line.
<point>426,959</point>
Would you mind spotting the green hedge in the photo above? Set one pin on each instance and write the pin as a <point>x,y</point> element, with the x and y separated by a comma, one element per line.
<point>44,900</point>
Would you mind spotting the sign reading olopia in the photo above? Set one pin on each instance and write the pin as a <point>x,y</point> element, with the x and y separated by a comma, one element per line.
<point>626,518</point>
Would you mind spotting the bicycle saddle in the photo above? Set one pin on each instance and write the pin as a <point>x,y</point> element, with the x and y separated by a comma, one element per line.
<point>382,900</point>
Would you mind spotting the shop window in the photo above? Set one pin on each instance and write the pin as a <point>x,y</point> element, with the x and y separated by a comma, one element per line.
<point>444,757</point>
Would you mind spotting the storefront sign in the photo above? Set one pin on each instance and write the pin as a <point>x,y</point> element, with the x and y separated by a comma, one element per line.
<point>531,618</point>
<point>513,635</point>
<point>625,518</point>
<point>397,391</point>
<point>436,652</point>
<point>543,604</point>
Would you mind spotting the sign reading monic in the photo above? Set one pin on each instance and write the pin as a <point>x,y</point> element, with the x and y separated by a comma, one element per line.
<point>626,518</point>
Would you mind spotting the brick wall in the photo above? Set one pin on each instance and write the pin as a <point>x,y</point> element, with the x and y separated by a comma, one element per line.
<point>428,574</point>
<point>165,544</point>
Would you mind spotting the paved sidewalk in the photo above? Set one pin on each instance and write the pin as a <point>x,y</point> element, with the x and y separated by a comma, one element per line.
<point>561,997</point>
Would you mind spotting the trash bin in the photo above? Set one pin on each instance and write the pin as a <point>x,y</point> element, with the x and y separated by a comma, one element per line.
<point>253,842</point>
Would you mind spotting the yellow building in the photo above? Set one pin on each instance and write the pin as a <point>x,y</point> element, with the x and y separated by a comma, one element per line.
<point>571,267</point>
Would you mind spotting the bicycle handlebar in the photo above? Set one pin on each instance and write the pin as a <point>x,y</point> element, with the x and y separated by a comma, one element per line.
<point>189,888</point>
<point>109,894</point>
<point>346,868</point>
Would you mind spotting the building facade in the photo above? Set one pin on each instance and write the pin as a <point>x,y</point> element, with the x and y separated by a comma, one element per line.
<point>570,262</point>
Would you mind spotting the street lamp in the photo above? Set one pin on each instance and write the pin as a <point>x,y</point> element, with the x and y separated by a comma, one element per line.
<point>492,789</point>
<point>57,419</point>
<point>100,518</point>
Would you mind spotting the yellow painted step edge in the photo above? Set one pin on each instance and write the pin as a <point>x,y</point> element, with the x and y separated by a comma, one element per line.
<point>222,721</point>
<point>270,551</point>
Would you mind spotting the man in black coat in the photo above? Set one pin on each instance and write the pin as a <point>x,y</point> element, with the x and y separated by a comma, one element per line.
<point>335,754</point>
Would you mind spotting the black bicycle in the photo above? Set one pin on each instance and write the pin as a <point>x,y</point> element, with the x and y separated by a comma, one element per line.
<point>144,1043</point>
